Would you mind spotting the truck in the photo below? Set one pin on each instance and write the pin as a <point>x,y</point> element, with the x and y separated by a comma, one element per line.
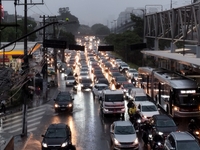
<point>112,102</point>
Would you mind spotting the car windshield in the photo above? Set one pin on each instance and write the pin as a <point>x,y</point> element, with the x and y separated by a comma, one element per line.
<point>186,145</point>
<point>63,98</point>
<point>114,98</point>
<point>56,133</point>
<point>101,87</point>
<point>141,98</point>
<point>149,108</point>
<point>70,78</point>
<point>121,79</point>
<point>86,81</point>
<point>124,130</point>
<point>165,123</point>
<point>128,86</point>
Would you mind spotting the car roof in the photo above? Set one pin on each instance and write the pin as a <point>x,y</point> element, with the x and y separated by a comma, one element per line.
<point>109,91</point>
<point>57,125</point>
<point>146,103</point>
<point>123,123</point>
<point>64,93</point>
<point>182,136</point>
<point>161,117</point>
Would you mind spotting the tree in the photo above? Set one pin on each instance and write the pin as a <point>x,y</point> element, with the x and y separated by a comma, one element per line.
<point>100,29</point>
<point>72,24</point>
<point>85,30</point>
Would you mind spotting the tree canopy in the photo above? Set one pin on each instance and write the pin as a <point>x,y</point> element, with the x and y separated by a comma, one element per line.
<point>100,29</point>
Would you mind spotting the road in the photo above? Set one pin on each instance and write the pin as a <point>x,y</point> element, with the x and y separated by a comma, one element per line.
<point>89,129</point>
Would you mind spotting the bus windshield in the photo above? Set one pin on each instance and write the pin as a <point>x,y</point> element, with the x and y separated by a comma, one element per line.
<point>189,99</point>
<point>114,98</point>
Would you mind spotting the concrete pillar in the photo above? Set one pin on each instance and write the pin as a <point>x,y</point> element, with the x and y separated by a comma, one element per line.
<point>173,47</point>
<point>198,51</point>
<point>156,44</point>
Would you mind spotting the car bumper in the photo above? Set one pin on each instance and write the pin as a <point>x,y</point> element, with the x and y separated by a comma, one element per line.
<point>127,146</point>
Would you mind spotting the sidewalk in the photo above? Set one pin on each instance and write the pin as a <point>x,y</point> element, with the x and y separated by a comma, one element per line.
<point>20,141</point>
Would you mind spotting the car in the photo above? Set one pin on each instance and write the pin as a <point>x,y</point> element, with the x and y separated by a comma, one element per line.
<point>70,80</point>
<point>85,83</point>
<point>123,135</point>
<point>83,75</point>
<point>131,72</point>
<point>119,81</point>
<point>181,141</point>
<point>126,86</point>
<point>147,109</point>
<point>163,123</point>
<point>57,136</point>
<point>103,80</point>
<point>97,89</point>
<point>63,102</point>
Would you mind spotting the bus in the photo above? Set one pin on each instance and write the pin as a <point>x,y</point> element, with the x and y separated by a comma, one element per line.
<point>177,95</point>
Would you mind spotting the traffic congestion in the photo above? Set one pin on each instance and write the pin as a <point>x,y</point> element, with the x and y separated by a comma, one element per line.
<point>144,114</point>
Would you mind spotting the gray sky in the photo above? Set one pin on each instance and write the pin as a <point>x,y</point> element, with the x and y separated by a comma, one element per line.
<point>90,12</point>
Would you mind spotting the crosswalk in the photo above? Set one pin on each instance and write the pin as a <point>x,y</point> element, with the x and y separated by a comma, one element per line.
<point>13,123</point>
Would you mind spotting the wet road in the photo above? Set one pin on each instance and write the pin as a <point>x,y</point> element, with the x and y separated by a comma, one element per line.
<point>90,131</point>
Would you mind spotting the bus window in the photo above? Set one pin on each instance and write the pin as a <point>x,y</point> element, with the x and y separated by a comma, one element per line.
<point>189,99</point>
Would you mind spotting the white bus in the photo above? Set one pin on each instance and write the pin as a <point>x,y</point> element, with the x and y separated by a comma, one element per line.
<point>178,95</point>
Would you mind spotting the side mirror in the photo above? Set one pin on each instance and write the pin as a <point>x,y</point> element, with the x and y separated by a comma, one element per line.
<point>158,109</point>
<point>54,99</point>
<point>42,135</point>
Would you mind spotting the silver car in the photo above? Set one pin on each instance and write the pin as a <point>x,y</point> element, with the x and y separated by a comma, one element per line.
<point>123,135</point>
<point>181,141</point>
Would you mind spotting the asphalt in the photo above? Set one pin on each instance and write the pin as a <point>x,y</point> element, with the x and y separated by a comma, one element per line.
<point>21,140</point>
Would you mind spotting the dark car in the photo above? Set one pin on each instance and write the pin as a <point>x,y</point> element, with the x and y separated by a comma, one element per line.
<point>119,81</point>
<point>163,124</point>
<point>64,102</point>
<point>103,80</point>
<point>86,83</point>
<point>57,137</point>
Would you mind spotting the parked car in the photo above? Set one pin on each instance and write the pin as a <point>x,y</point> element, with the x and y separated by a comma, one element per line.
<point>181,141</point>
<point>64,102</point>
<point>57,136</point>
<point>123,135</point>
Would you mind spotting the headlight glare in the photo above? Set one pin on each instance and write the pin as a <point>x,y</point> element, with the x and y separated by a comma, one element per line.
<point>64,144</point>
<point>44,144</point>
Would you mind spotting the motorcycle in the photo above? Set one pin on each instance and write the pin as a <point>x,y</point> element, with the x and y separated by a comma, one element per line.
<point>159,146</point>
<point>196,134</point>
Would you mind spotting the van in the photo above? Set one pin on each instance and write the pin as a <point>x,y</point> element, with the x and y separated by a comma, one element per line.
<point>112,102</point>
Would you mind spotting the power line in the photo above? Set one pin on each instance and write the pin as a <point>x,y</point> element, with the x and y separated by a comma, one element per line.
<point>49,9</point>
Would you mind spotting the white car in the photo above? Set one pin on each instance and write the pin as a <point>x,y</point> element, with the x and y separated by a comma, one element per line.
<point>97,89</point>
<point>123,135</point>
<point>147,110</point>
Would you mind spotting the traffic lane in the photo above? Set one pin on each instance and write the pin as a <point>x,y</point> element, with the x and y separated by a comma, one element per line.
<point>86,126</point>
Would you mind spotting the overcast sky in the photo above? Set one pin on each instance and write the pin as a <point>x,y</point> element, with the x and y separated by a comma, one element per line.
<point>90,12</point>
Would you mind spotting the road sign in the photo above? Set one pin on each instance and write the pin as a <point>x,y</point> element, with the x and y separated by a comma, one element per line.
<point>53,43</point>
<point>76,47</point>
<point>106,48</point>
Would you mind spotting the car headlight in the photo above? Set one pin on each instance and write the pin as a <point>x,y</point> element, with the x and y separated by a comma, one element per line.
<point>70,105</point>
<point>64,144</point>
<point>139,121</point>
<point>105,109</point>
<point>44,145</point>
<point>197,132</point>
<point>56,105</point>
<point>136,141</point>
<point>150,135</point>
<point>160,133</point>
<point>116,142</point>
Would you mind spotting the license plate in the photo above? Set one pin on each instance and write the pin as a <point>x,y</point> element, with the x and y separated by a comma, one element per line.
<point>63,109</point>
